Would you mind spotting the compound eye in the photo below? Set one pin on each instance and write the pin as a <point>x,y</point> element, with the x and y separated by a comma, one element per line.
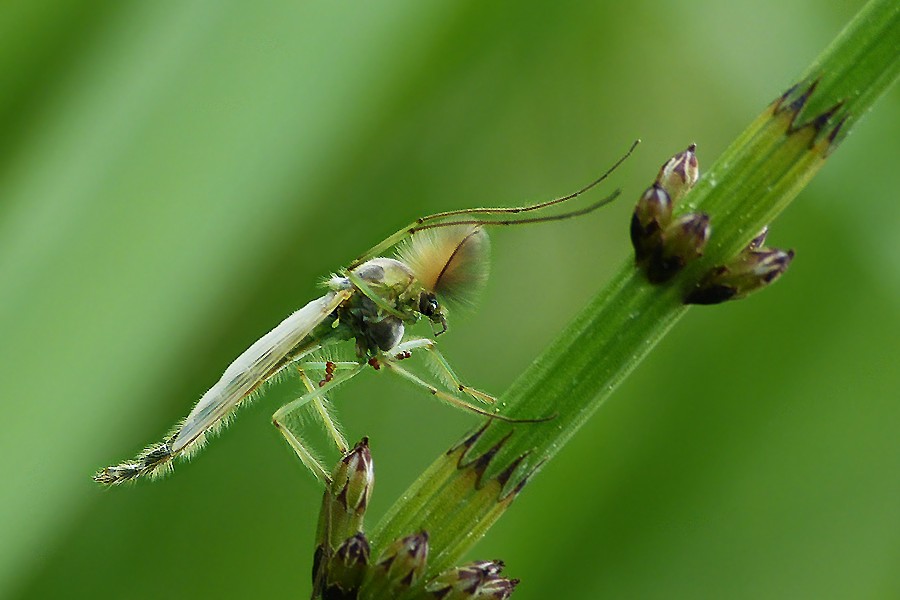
<point>428,305</point>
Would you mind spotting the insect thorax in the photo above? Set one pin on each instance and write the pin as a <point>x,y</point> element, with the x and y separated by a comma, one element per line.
<point>375,328</point>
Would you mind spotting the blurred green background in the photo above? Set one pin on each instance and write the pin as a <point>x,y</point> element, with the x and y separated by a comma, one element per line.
<point>176,177</point>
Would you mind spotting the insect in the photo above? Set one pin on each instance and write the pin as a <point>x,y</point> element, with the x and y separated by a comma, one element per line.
<point>441,258</point>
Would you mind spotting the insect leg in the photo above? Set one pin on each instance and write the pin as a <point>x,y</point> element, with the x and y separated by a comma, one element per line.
<point>320,403</point>
<point>306,457</point>
<point>442,368</point>
<point>453,400</point>
<point>300,448</point>
<point>444,219</point>
<point>371,295</point>
<point>458,402</point>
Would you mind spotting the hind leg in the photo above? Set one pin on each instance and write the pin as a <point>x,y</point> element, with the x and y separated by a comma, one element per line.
<point>320,403</point>
<point>300,447</point>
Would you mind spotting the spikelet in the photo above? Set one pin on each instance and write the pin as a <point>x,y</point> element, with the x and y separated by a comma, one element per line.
<point>452,262</point>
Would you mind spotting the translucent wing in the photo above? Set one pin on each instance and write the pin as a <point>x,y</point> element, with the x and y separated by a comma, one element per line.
<point>252,367</point>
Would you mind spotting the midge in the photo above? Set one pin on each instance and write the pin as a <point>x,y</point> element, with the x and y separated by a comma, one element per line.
<point>439,258</point>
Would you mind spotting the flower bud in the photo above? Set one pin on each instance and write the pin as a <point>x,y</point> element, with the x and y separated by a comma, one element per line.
<point>683,241</point>
<point>652,215</point>
<point>347,497</point>
<point>475,580</point>
<point>760,268</point>
<point>663,247</point>
<point>679,174</point>
<point>750,271</point>
<point>347,568</point>
<point>400,566</point>
<point>354,477</point>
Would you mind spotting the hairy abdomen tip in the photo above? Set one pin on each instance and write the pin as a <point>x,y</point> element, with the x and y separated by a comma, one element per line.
<point>151,461</point>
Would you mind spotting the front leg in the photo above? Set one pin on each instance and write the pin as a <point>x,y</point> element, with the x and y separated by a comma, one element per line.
<point>440,366</point>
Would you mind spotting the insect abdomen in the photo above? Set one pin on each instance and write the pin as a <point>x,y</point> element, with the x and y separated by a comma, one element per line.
<point>152,461</point>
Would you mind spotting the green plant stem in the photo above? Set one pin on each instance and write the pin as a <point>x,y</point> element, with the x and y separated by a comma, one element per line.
<point>750,184</point>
